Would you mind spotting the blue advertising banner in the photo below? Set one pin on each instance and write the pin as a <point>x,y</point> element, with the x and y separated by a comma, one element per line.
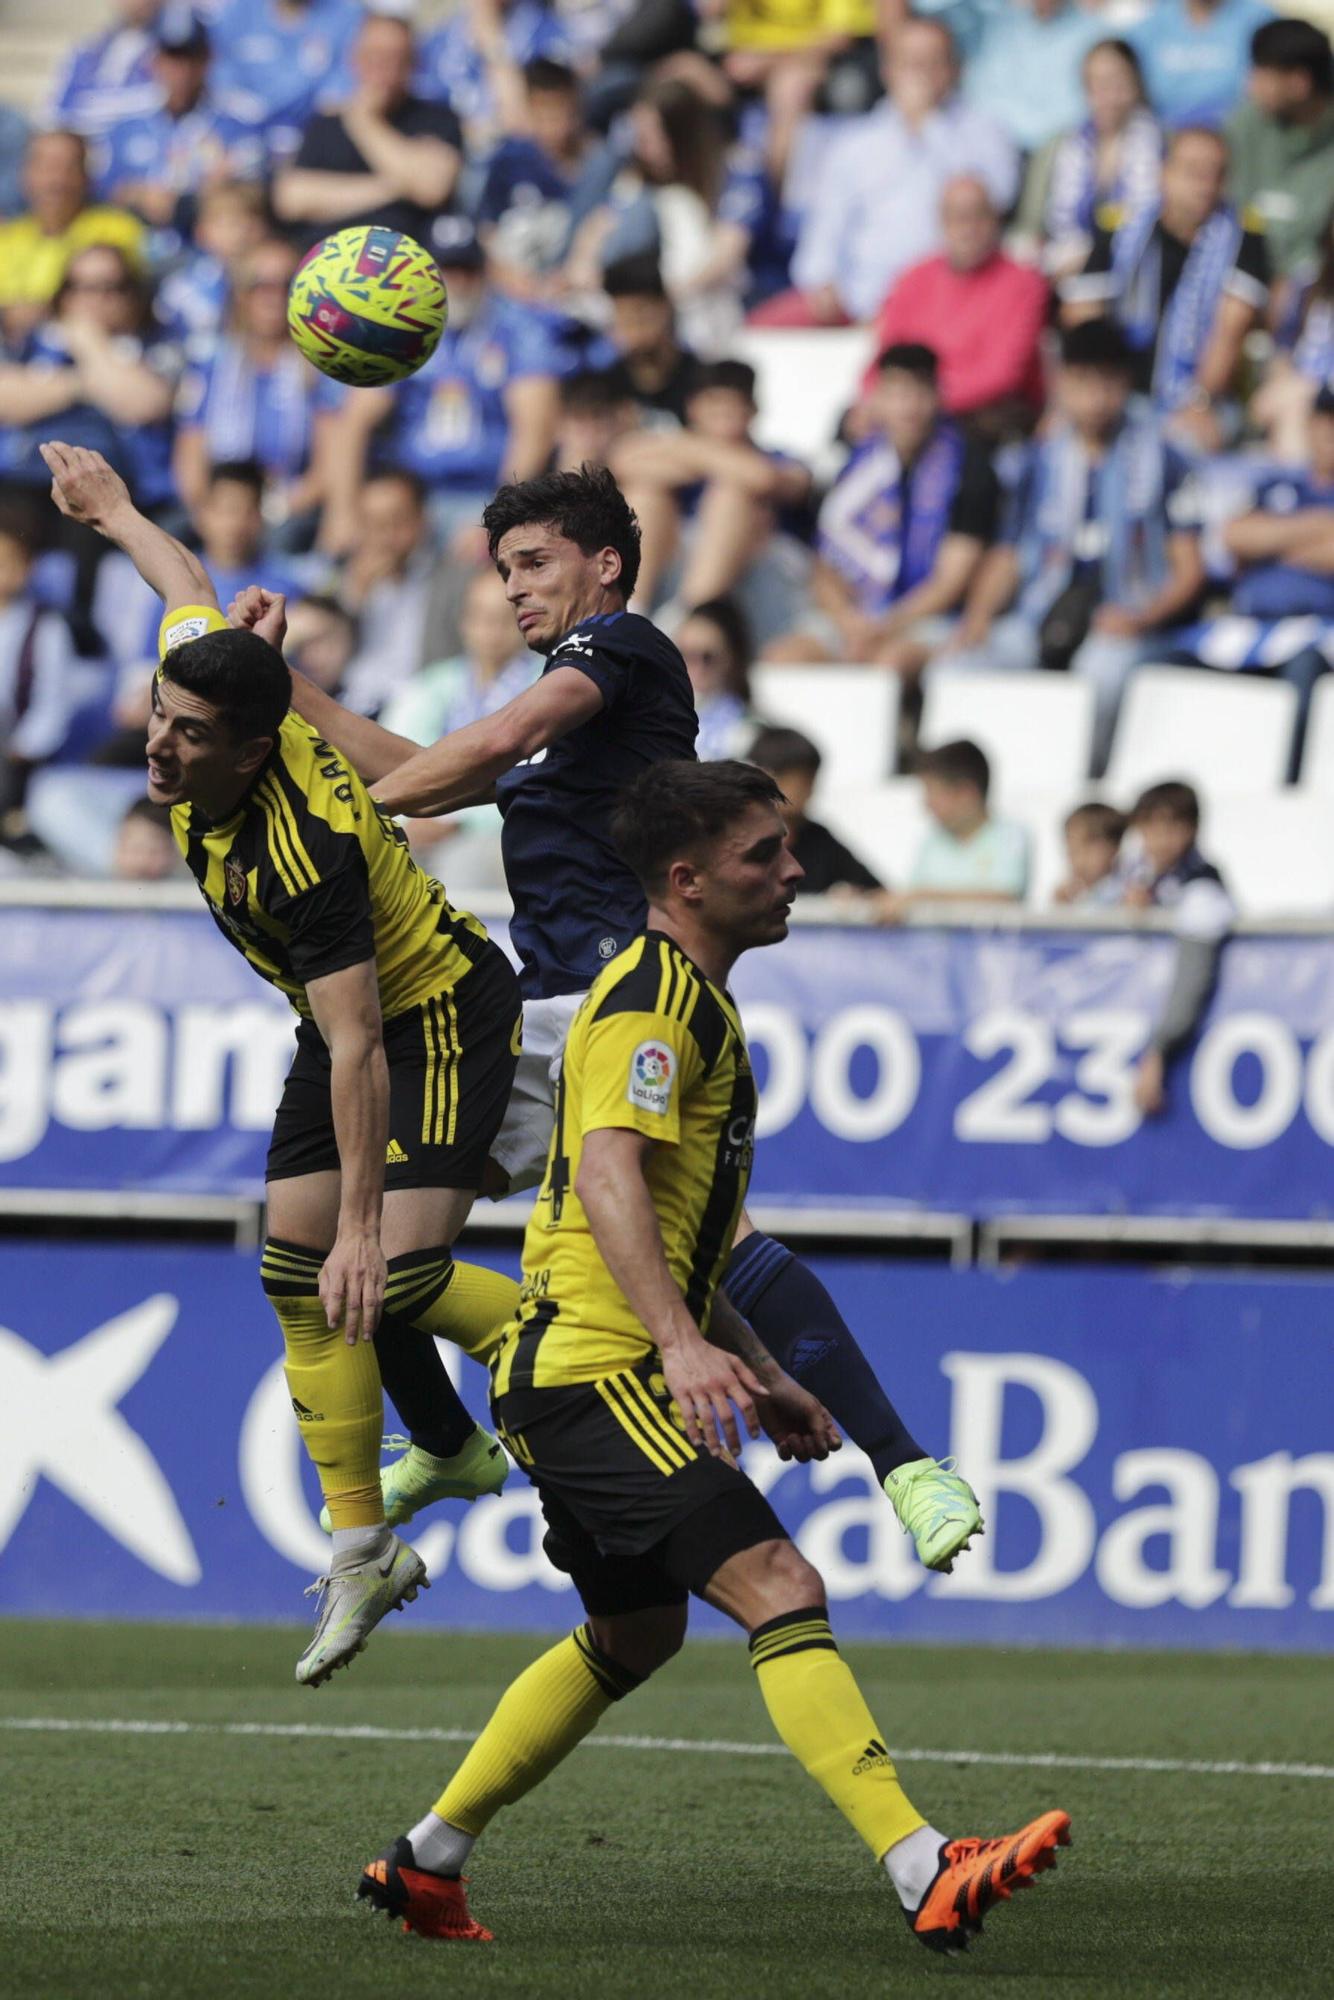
<point>978,1072</point>
<point>1154,1456</point>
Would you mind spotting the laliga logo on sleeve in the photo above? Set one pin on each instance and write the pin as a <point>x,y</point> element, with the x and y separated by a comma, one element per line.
<point>652,1073</point>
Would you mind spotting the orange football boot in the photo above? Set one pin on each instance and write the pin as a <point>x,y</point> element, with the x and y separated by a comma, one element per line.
<point>974,1874</point>
<point>434,1906</point>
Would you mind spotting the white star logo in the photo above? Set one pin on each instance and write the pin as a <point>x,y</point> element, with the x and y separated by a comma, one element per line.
<point>58,1419</point>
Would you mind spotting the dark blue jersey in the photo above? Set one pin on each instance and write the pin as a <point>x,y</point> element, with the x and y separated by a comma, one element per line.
<point>576,904</point>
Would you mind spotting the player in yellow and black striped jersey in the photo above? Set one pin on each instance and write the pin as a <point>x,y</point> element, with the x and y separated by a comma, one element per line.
<point>617,1384</point>
<point>408,1040</point>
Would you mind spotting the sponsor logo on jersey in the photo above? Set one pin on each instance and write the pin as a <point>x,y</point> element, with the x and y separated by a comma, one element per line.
<point>652,1074</point>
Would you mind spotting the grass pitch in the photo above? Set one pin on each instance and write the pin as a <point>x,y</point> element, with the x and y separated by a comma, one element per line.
<point>207,1861</point>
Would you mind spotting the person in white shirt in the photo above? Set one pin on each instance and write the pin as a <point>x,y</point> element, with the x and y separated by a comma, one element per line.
<point>967,856</point>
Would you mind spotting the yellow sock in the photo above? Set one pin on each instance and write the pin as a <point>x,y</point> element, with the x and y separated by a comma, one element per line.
<point>538,1720</point>
<point>335,1388</point>
<point>817,1708</point>
<point>465,1303</point>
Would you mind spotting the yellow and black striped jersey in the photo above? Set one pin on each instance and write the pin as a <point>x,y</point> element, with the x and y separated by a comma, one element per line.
<point>656,1048</point>
<point>308,876</point>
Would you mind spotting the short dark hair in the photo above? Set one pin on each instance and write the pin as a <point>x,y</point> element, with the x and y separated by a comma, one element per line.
<point>1173,799</point>
<point>1183,132</point>
<point>401,475</point>
<point>729,618</point>
<point>911,357</point>
<point>1098,343</point>
<point>594,391</point>
<point>778,749</point>
<point>587,507</point>
<point>960,763</point>
<point>637,277</point>
<point>674,806</point>
<point>738,376</point>
<point>1295,46</point>
<point>1098,820</point>
<point>240,674</point>
<point>543,74</point>
<point>18,524</point>
<point>145,809</point>
<point>247,472</point>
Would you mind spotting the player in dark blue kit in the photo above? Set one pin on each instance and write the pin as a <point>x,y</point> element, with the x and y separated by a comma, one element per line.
<point>614,697</point>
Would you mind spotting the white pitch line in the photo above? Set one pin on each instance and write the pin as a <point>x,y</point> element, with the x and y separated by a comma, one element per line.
<point>369,1732</point>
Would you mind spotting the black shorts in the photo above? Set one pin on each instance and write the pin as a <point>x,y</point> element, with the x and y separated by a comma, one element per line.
<point>636,1514</point>
<point>451,1068</point>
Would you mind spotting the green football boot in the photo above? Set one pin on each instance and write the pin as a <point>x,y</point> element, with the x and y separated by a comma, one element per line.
<point>416,1480</point>
<point>937,1507</point>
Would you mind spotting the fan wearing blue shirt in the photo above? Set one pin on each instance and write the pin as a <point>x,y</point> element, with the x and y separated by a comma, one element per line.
<point>280,61</point>
<point>480,83</point>
<point>541,184</point>
<point>1195,55</point>
<point>110,77</point>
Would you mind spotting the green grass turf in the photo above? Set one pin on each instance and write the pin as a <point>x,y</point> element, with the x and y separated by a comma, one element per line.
<point>217,1867</point>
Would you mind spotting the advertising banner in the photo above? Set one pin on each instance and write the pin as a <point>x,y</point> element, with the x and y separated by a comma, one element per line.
<point>1154,1457</point>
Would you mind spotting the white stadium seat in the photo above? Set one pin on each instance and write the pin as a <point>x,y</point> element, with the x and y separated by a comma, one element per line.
<point>1036,729</point>
<point>1223,733</point>
<point>1276,851</point>
<point>882,824</point>
<point>1317,772</point>
<point>804,381</point>
<point>850,712</point>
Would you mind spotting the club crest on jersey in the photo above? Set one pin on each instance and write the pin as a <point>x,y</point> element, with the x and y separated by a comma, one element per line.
<point>652,1074</point>
<point>607,949</point>
<point>234,876</point>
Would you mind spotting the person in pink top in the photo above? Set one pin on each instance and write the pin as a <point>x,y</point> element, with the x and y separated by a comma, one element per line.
<point>980,312</point>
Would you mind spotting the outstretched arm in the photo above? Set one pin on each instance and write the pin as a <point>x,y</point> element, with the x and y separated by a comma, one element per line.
<point>84,486</point>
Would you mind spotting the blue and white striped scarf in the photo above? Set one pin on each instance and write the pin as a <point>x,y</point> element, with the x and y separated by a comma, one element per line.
<point>264,417</point>
<point>1188,318</point>
<point>1131,508</point>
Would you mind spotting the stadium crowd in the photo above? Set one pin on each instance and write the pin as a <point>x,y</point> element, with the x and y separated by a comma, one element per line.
<point>1092,247</point>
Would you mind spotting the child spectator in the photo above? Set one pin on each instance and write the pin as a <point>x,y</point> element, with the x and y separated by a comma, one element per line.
<point>644,339</point>
<point>714,641</point>
<point>193,300</point>
<point>794,761</point>
<point>1170,873</point>
<point>1093,836</point>
<point>967,857</point>
<point>145,849</point>
<point>37,694</point>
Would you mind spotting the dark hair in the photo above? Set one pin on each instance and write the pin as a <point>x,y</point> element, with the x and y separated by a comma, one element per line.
<point>18,523</point>
<point>960,763</point>
<point>738,376</point>
<point>145,809</point>
<point>779,749</point>
<point>587,507</point>
<point>1174,799</point>
<point>911,357</point>
<point>401,475</point>
<point>543,74</point>
<point>332,607</point>
<point>1112,45</point>
<point>1099,820</point>
<point>1098,343</point>
<point>1295,46</point>
<point>726,614</point>
<point>247,472</point>
<point>696,137</point>
<point>240,674</point>
<point>637,277</point>
<point>1209,132</point>
<point>594,391</point>
<point>674,806</point>
<point>131,277</point>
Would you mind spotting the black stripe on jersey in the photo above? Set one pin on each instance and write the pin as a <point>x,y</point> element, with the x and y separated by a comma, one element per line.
<point>525,1353</point>
<point>723,1190</point>
<point>465,941</point>
<point>636,992</point>
<point>274,796</point>
<point>307,829</point>
<point>284,861</point>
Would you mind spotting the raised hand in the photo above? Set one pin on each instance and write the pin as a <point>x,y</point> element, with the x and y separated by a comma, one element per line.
<point>83,485</point>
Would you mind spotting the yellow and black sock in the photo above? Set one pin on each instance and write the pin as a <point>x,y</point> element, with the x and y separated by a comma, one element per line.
<point>427,1296</point>
<point>818,1709</point>
<point>335,1388</point>
<point>538,1720</point>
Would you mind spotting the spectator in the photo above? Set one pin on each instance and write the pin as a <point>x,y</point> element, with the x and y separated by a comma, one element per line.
<point>541,183</point>
<point>474,62</point>
<point>157,162</point>
<point>715,643</point>
<point>254,397</point>
<point>1168,872</point>
<point>37,693</point>
<point>1024,69</point>
<point>1187,280</point>
<point>1102,550</point>
<point>789,55</point>
<point>874,208</point>
<point>36,247</point>
<point>110,77</point>
<point>389,584</point>
<point>596,407</point>
<point>904,530</point>
<point>485,401</point>
<point>1093,836</point>
<point>979,312</point>
<point>193,300</point>
<point>1282,139</point>
<point>1113,159</point>
<point>967,856</point>
<point>644,339</point>
<point>383,157</point>
<point>321,641</point>
<point>145,850</point>
<point>281,61</point>
<point>708,497</point>
<point>1193,55</point>
<point>14,137</point>
<point>827,865</point>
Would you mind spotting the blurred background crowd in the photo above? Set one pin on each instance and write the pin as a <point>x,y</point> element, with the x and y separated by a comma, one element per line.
<point>971,370</point>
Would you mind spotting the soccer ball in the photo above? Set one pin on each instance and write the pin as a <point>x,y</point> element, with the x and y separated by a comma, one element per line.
<point>367,306</point>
